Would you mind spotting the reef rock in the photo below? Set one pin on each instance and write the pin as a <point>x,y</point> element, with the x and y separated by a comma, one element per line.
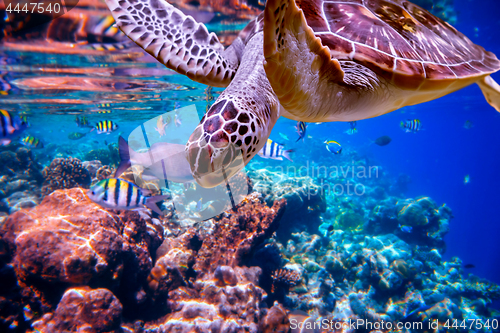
<point>209,288</point>
<point>68,240</point>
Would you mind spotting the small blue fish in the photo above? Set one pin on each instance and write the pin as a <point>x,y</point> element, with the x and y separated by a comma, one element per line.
<point>283,136</point>
<point>411,125</point>
<point>199,205</point>
<point>466,179</point>
<point>10,127</point>
<point>406,228</point>
<point>301,130</point>
<point>352,130</point>
<point>333,147</point>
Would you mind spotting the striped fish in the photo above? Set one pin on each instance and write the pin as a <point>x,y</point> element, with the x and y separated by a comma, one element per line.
<point>115,193</point>
<point>109,47</point>
<point>301,130</point>
<point>31,142</point>
<point>411,125</point>
<point>82,121</point>
<point>105,126</point>
<point>274,150</point>
<point>10,127</point>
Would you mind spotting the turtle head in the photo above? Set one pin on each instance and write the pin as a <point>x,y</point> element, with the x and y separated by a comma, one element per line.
<point>227,137</point>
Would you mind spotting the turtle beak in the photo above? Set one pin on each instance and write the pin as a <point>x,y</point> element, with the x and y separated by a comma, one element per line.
<point>214,162</point>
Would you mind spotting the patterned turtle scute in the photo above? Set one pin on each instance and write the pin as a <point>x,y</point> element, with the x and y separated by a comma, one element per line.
<point>395,37</point>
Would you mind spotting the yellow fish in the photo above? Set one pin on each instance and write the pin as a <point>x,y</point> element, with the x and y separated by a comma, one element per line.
<point>160,126</point>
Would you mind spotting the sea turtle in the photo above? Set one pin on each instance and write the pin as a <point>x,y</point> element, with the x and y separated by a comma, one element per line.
<point>307,60</point>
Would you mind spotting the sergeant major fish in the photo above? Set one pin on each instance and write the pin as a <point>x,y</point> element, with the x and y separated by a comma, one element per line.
<point>275,151</point>
<point>105,126</point>
<point>117,193</point>
<point>82,121</point>
<point>160,126</point>
<point>352,130</point>
<point>31,142</point>
<point>10,127</point>
<point>411,125</point>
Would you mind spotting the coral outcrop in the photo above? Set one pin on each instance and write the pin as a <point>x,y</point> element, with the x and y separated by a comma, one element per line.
<point>203,272</point>
<point>69,241</point>
<point>83,310</point>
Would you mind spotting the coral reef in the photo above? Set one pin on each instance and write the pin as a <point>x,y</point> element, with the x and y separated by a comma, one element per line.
<point>20,180</point>
<point>69,241</point>
<point>65,173</point>
<point>82,268</point>
<point>104,172</point>
<point>203,272</point>
<point>107,156</point>
<point>305,200</point>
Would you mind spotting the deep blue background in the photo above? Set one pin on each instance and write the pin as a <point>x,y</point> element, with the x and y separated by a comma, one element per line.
<point>438,157</point>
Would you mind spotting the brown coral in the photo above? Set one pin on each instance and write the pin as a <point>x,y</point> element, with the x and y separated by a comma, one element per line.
<point>65,173</point>
<point>104,172</point>
<point>284,277</point>
<point>235,235</point>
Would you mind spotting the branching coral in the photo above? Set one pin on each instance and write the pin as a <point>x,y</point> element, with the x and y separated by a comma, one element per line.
<point>284,278</point>
<point>65,173</point>
<point>104,172</point>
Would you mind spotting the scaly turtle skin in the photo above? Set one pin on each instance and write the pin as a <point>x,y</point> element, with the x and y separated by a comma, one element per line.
<point>307,60</point>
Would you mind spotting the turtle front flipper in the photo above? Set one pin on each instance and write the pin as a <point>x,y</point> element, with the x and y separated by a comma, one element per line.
<point>176,40</point>
<point>296,61</point>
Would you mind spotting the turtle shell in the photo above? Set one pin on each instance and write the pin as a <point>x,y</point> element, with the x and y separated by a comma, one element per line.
<point>398,40</point>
